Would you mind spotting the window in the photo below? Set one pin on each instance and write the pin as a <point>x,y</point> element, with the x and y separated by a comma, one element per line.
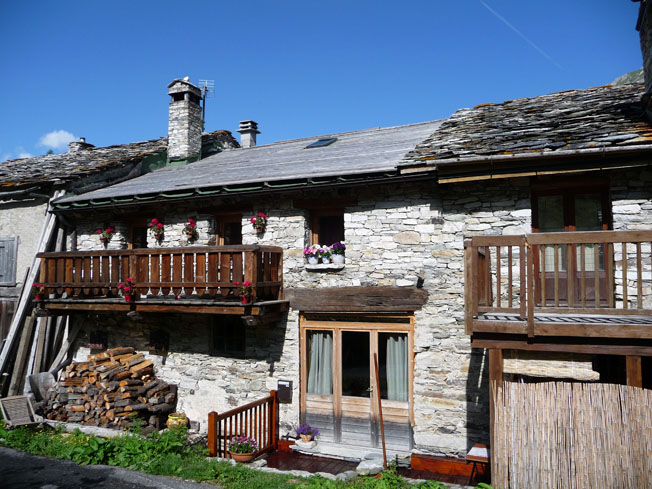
<point>229,229</point>
<point>320,143</point>
<point>327,227</point>
<point>8,255</point>
<point>138,234</point>
<point>229,337</point>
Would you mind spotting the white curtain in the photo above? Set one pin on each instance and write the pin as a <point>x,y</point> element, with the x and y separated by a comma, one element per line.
<point>320,375</point>
<point>397,367</point>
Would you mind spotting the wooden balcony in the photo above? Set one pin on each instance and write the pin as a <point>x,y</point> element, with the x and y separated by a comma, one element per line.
<point>196,280</point>
<point>565,288</point>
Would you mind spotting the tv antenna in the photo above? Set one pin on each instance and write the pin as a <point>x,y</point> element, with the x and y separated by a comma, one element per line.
<point>207,88</point>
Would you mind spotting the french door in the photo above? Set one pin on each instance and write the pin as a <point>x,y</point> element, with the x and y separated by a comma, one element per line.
<point>570,209</point>
<point>338,387</point>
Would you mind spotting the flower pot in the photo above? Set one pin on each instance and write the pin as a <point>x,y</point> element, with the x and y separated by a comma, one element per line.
<point>313,260</point>
<point>103,240</point>
<point>325,260</point>
<point>130,298</point>
<point>260,229</point>
<point>176,420</point>
<point>245,299</point>
<point>338,259</point>
<point>243,458</point>
<point>305,438</point>
<point>190,235</point>
<point>38,297</point>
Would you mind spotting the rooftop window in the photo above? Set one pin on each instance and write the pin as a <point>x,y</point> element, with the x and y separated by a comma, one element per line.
<point>320,143</point>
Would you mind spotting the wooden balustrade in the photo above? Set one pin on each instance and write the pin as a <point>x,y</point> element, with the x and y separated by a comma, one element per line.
<point>601,272</point>
<point>208,272</point>
<point>258,420</point>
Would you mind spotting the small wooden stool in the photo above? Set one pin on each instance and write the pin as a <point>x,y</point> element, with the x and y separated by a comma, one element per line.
<point>479,454</point>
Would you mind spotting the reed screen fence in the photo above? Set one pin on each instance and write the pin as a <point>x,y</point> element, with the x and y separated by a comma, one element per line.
<point>571,435</point>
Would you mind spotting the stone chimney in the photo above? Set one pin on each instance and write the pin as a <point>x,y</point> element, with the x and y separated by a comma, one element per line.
<point>185,120</point>
<point>81,145</point>
<point>248,131</point>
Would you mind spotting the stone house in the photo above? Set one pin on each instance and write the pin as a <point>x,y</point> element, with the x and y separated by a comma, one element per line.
<point>404,200</point>
<point>504,222</point>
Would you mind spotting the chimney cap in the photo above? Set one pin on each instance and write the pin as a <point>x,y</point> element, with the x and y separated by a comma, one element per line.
<point>183,85</point>
<point>248,126</point>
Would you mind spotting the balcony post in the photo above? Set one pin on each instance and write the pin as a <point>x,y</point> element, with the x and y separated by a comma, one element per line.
<point>251,270</point>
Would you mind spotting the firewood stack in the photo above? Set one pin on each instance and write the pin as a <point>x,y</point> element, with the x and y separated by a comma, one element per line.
<point>114,388</point>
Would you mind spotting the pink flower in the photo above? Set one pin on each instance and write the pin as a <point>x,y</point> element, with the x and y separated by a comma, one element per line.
<point>120,286</point>
<point>246,283</point>
<point>262,214</point>
<point>159,226</point>
<point>236,282</point>
<point>127,289</point>
<point>252,220</point>
<point>99,231</point>
<point>191,221</point>
<point>154,221</point>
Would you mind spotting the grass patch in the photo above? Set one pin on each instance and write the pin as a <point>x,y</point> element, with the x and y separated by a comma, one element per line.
<point>168,454</point>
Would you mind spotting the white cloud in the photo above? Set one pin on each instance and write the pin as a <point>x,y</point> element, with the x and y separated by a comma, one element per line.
<point>56,139</point>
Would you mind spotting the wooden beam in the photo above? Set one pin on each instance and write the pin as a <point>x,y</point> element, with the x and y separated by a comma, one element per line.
<point>596,349</point>
<point>357,299</point>
<point>634,371</point>
<point>20,363</point>
<point>495,381</point>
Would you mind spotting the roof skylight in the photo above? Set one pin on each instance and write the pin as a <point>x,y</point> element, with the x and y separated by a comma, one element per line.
<point>320,143</point>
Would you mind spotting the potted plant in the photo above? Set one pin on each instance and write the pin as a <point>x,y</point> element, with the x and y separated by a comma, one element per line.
<point>259,221</point>
<point>106,235</point>
<point>325,254</point>
<point>337,250</point>
<point>312,254</point>
<point>307,432</point>
<point>128,288</point>
<point>190,229</point>
<point>38,289</point>
<point>245,291</point>
<point>242,448</point>
<point>156,228</point>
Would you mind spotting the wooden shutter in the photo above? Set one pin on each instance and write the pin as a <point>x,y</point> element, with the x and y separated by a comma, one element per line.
<point>8,253</point>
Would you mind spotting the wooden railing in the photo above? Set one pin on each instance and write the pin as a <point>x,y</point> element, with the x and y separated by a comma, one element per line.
<point>258,420</point>
<point>601,272</point>
<point>209,271</point>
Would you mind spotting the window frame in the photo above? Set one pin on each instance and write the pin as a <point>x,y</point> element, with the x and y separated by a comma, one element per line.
<point>315,230</point>
<point>221,220</point>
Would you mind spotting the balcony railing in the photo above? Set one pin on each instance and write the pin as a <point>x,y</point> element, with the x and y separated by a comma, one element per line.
<point>209,272</point>
<point>531,284</point>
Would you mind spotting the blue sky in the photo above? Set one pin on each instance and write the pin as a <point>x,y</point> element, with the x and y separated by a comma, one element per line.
<point>299,68</point>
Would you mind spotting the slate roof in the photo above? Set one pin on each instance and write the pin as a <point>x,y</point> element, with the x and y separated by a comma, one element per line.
<point>66,167</point>
<point>275,165</point>
<point>588,120</point>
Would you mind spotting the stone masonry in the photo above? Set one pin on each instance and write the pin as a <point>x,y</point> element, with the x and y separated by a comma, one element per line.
<point>395,237</point>
<point>185,120</point>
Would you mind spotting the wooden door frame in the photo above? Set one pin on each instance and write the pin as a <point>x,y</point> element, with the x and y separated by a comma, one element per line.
<point>311,322</point>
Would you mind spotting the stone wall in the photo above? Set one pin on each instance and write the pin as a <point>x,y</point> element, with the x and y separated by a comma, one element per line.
<point>23,219</point>
<point>395,236</point>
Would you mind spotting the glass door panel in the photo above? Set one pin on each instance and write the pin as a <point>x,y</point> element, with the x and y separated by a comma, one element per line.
<point>355,426</point>
<point>319,388</point>
<point>393,365</point>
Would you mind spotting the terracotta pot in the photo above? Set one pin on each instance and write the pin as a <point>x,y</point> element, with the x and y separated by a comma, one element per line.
<point>260,229</point>
<point>38,297</point>
<point>305,438</point>
<point>130,298</point>
<point>190,235</point>
<point>245,299</point>
<point>243,458</point>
